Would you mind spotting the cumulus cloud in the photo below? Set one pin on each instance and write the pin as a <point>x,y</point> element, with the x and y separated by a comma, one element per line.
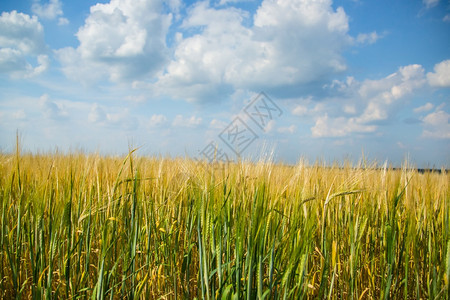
<point>22,45</point>
<point>181,121</point>
<point>307,107</point>
<point>223,2</point>
<point>436,125</point>
<point>19,115</point>
<point>63,21</point>
<point>77,68</point>
<point>157,120</point>
<point>217,124</point>
<point>441,75</point>
<point>339,127</point>
<point>51,109</point>
<point>369,103</point>
<point>300,110</point>
<point>14,63</point>
<point>382,94</point>
<point>50,10</point>
<point>226,55</point>
<point>122,119</point>
<point>216,50</point>
<point>290,129</point>
<point>368,38</point>
<point>120,40</point>
<point>426,107</point>
<point>97,114</point>
<point>12,60</point>
<point>270,126</point>
<point>349,109</point>
<point>22,32</point>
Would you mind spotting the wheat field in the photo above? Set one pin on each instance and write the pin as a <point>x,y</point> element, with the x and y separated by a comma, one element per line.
<point>80,225</point>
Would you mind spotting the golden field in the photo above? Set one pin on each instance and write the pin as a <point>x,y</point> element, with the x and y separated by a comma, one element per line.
<point>80,225</point>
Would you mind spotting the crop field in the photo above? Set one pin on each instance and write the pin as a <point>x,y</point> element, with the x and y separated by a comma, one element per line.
<point>79,225</point>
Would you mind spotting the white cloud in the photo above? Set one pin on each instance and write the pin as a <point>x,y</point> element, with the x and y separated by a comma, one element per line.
<point>121,119</point>
<point>12,60</point>
<point>22,45</point>
<point>290,129</point>
<point>339,127</point>
<point>369,103</point>
<point>138,98</point>
<point>120,40</point>
<point>43,63</point>
<point>446,18</point>
<point>50,10</point>
<point>217,124</point>
<point>426,107</point>
<point>21,32</point>
<point>397,84</point>
<point>174,5</point>
<point>51,109</point>
<point>19,115</point>
<point>441,75</point>
<point>14,63</point>
<point>76,68</point>
<point>437,118</point>
<point>436,125</point>
<point>368,38</point>
<point>300,110</point>
<point>308,107</point>
<point>349,109</point>
<point>270,126</point>
<point>430,3</point>
<point>181,121</point>
<point>226,55</point>
<point>97,114</point>
<point>382,94</point>
<point>342,86</point>
<point>63,21</point>
<point>157,120</point>
<point>224,2</point>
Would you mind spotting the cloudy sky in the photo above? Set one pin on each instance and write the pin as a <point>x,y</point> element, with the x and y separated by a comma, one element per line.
<point>341,79</point>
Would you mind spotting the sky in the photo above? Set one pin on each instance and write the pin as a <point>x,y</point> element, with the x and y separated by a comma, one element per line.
<point>289,79</point>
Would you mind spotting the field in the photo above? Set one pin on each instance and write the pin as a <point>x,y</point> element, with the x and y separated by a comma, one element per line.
<point>81,225</point>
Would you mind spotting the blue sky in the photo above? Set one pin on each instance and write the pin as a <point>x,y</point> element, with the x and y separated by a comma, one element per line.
<point>341,80</point>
